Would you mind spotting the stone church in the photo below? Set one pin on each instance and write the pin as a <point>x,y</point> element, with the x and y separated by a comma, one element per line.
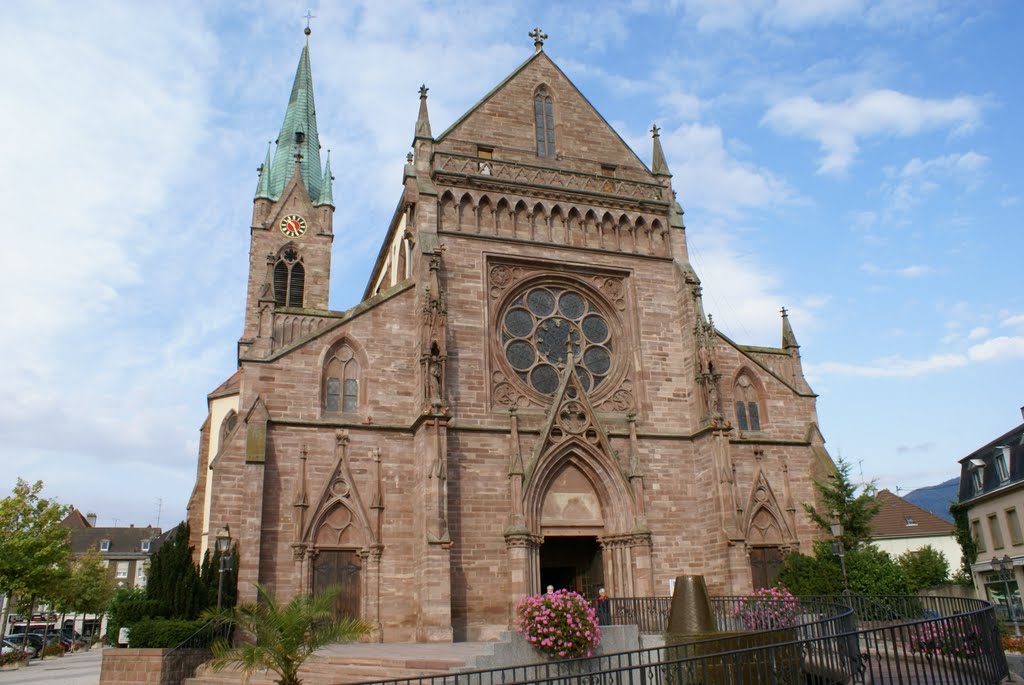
<point>529,393</point>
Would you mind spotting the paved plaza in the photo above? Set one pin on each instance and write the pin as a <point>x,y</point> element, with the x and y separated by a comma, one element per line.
<point>74,669</point>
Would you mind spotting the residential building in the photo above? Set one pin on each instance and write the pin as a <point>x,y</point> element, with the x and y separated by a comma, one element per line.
<point>992,490</point>
<point>901,527</point>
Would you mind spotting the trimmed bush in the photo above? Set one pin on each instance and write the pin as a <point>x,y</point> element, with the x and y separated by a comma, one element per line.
<point>127,608</point>
<point>167,633</point>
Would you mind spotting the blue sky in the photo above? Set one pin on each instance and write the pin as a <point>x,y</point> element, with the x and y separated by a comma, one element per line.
<point>858,162</point>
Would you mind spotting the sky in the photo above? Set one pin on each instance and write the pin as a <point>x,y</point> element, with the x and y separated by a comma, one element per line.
<point>856,161</point>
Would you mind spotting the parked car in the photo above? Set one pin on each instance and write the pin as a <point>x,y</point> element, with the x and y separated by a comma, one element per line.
<point>34,640</point>
<point>9,647</point>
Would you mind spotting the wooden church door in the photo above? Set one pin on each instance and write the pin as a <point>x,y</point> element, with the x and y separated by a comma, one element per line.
<point>765,562</point>
<point>339,567</point>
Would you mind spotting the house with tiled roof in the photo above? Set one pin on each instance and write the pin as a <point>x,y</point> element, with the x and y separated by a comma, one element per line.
<point>126,550</point>
<point>901,527</point>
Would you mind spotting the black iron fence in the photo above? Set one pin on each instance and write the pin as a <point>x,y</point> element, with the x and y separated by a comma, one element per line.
<point>842,639</point>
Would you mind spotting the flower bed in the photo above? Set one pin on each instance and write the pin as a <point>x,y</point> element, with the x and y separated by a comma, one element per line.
<point>932,639</point>
<point>560,624</point>
<point>769,608</point>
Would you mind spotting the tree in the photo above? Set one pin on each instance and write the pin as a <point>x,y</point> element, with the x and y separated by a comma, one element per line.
<point>925,567</point>
<point>968,545</point>
<point>90,586</point>
<point>283,636</point>
<point>174,581</point>
<point>34,546</point>
<point>870,572</point>
<point>841,502</point>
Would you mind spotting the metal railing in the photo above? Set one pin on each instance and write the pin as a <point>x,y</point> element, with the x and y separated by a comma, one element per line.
<point>930,640</point>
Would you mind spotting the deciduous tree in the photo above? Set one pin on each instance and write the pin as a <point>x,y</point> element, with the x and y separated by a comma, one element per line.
<point>34,546</point>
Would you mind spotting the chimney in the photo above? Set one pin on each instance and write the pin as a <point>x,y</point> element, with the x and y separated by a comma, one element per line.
<point>91,516</point>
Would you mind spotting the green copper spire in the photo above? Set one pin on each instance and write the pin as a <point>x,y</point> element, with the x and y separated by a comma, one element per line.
<point>298,134</point>
<point>263,187</point>
<point>327,193</point>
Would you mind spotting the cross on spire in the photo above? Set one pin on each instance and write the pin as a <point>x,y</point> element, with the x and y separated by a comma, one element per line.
<point>308,16</point>
<point>538,38</point>
<point>784,312</point>
<point>655,131</point>
<point>423,91</point>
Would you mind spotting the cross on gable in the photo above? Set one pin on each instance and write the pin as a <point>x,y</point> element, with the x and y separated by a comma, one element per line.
<point>538,37</point>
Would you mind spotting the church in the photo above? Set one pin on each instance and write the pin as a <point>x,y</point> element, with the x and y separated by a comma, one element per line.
<point>529,393</point>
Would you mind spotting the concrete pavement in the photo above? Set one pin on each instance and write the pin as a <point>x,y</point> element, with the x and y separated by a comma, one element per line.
<point>82,668</point>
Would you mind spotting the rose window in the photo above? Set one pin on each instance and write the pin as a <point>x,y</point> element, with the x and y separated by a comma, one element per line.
<point>543,324</point>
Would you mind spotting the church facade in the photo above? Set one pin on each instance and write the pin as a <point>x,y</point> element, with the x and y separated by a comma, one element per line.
<point>529,393</point>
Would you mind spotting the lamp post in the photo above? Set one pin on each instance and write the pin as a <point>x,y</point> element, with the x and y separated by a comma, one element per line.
<point>840,551</point>
<point>224,548</point>
<point>1004,570</point>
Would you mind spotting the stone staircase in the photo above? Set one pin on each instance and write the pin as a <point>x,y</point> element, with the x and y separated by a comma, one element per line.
<point>344,664</point>
<point>365,662</point>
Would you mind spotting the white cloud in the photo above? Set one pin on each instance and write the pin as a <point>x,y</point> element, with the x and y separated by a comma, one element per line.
<point>918,177</point>
<point>1013,320</point>
<point>912,271</point>
<point>978,333</point>
<point>1002,348</point>
<point>708,176</point>
<point>838,127</point>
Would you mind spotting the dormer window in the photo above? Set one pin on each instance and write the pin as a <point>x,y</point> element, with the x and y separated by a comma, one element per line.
<point>145,545</point>
<point>104,545</point>
<point>1002,462</point>
<point>544,116</point>
<point>300,137</point>
<point>978,478</point>
<point>909,520</point>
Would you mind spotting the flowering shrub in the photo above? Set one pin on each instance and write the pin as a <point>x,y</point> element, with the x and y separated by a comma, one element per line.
<point>932,639</point>
<point>1012,643</point>
<point>769,608</point>
<point>560,624</point>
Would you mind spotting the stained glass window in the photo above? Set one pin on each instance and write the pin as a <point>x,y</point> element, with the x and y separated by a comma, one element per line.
<point>543,325</point>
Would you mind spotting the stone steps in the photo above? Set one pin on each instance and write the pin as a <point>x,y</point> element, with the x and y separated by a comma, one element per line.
<point>345,664</point>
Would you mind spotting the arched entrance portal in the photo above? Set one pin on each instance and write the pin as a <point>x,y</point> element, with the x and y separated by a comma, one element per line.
<point>572,562</point>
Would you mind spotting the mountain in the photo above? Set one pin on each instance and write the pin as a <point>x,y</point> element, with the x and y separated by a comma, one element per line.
<point>936,498</point>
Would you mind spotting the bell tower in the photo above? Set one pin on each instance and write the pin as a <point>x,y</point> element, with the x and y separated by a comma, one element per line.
<point>292,221</point>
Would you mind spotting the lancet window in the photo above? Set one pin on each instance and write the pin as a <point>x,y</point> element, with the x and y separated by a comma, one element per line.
<point>341,381</point>
<point>543,112</point>
<point>748,413</point>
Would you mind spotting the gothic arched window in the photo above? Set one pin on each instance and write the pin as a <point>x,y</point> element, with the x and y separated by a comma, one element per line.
<point>228,425</point>
<point>543,112</point>
<point>341,381</point>
<point>748,413</point>
<point>289,279</point>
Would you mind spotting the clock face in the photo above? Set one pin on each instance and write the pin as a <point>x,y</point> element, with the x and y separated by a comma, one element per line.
<point>293,225</point>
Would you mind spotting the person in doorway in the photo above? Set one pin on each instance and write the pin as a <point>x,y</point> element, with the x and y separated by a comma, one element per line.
<point>551,589</point>
<point>603,605</point>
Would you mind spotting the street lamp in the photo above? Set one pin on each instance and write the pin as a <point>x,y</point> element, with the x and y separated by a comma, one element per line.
<point>224,548</point>
<point>840,551</point>
<point>1004,571</point>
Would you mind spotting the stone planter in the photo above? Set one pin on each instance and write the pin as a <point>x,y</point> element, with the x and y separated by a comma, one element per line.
<point>14,665</point>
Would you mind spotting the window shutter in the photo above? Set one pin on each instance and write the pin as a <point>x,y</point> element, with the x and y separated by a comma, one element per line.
<point>298,279</point>
<point>280,283</point>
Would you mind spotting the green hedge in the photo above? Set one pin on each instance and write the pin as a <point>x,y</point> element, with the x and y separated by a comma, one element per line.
<point>167,632</point>
<point>127,608</point>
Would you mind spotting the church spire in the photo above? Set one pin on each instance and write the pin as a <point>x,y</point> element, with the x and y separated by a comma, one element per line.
<point>298,134</point>
<point>263,186</point>
<point>327,192</point>
<point>788,339</point>
<point>423,119</point>
<point>659,167</point>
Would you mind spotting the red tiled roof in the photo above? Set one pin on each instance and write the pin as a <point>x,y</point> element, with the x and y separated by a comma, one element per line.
<point>898,518</point>
<point>228,386</point>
